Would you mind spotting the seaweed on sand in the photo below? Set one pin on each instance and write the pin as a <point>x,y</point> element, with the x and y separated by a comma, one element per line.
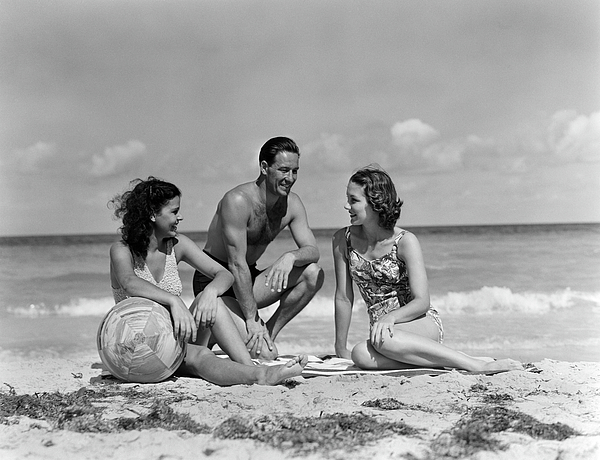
<point>309,434</point>
<point>473,432</point>
<point>43,406</point>
<point>392,404</point>
<point>161,415</point>
<point>497,398</point>
<point>490,397</point>
<point>76,412</point>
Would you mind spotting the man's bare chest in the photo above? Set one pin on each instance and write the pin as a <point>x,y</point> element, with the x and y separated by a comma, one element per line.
<point>264,226</point>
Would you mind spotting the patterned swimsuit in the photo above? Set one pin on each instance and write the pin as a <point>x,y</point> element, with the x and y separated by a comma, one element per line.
<point>383,283</point>
<point>170,282</point>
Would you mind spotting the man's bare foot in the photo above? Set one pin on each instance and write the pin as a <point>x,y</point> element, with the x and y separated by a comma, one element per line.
<point>503,365</point>
<point>272,375</point>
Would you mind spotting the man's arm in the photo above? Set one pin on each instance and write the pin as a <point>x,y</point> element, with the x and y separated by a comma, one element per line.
<point>234,216</point>
<point>306,253</point>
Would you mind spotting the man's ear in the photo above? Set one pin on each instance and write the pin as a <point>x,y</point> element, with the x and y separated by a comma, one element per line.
<point>263,167</point>
<point>153,218</point>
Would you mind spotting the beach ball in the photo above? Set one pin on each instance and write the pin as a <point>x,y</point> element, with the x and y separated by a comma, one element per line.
<point>136,342</point>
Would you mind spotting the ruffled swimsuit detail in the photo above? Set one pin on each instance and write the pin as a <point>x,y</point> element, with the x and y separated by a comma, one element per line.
<point>170,282</point>
<point>383,282</point>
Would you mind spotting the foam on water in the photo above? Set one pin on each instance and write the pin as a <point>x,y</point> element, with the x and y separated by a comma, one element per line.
<point>488,300</point>
<point>484,301</point>
<point>77,307</point>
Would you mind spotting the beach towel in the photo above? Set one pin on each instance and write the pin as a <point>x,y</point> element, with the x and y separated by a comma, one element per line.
<point>328,366</point>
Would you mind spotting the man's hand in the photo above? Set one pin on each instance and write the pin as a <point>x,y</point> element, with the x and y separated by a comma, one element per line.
<point>257,333</point>
<point>184,327</point>
<point>277,278</point>
<point>204,310</point>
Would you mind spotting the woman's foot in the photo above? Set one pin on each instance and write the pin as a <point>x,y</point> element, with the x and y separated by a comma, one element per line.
<point>502,365</point>
<point>272,375</point>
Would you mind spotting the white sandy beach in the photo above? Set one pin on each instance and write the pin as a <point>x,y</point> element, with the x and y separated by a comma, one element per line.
<point>554,392</point>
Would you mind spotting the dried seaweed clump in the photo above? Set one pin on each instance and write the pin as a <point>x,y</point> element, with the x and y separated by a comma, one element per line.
<point>473,432</point>
<point>392,404</point>
<point>161,415</point>
<point>310,434</point>
<point>75,412</point>
<point>497,398</point>
<point>52,407</point>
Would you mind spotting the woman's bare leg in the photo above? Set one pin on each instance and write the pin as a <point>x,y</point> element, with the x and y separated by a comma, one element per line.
<point>227,335</point>
<point>415,343</point>
<point>202,362</point>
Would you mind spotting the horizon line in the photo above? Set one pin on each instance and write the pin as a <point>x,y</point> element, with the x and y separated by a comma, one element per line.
<point>435,226</point>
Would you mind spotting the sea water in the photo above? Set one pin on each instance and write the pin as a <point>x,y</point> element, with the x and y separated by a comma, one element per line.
<point>523,291</point>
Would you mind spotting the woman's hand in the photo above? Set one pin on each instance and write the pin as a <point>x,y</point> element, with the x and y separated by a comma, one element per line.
<point>382,329</point>
<point>204,309</point>
<point>184,327</point>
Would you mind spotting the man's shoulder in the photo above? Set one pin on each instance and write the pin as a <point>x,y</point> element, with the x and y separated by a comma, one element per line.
<point>240,195</point>
<point>295,201</point>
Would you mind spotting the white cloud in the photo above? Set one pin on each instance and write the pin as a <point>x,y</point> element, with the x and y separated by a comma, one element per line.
<point>413,133</point>
<point>444,155</point>
<point>413,145</point>
<point>575,137</point>
<point>32,159</point>
<point>117,159</point>
<point>331,152</point>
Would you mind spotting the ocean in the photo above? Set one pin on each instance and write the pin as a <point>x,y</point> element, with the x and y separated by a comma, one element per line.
<point>527,292</point>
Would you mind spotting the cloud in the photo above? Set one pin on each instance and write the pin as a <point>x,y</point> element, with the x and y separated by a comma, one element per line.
<point>331,152</point>
<point>573,137</point>
<point>35,158</point>
<point>444,156</point>
<point>414,146</point>
<point>117,159</point>
<point>413,134</point>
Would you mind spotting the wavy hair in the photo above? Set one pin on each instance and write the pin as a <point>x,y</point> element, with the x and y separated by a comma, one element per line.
<point>380,192</point>
<point>137,206</point>
<point>276,145</point>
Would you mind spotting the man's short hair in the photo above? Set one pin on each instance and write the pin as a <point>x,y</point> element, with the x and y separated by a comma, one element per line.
<point>276,145</point>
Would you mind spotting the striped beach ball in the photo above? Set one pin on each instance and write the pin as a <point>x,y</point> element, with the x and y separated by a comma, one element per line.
<point>136,342</point>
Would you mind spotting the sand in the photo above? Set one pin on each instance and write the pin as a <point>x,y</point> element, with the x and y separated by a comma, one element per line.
<point>562,397</point>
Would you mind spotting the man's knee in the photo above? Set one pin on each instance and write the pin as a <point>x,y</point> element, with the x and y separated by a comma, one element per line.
<point>314,276</point>
<point>267,354</point>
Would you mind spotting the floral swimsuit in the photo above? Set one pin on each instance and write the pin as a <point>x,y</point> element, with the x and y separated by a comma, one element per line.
<point>383,283</point>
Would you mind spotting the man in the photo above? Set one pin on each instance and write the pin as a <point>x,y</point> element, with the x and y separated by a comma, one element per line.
<point>247,220</point>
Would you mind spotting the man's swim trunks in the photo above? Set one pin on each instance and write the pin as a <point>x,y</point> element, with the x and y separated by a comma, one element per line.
<point>200,280</point>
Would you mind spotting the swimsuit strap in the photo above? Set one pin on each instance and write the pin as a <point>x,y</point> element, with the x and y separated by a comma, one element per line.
<point>395,247</point>
<point>348,245</point>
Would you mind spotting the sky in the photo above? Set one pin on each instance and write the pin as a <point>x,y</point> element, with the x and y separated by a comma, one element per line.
<point>482,111</point>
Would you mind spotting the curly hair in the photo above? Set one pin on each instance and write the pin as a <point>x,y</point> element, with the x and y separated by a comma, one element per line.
<point>380,193</point>
<point>137,206</point>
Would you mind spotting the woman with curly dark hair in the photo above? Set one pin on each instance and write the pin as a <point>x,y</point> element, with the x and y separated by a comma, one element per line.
<point>150,250</point>
<point>386,263</point>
